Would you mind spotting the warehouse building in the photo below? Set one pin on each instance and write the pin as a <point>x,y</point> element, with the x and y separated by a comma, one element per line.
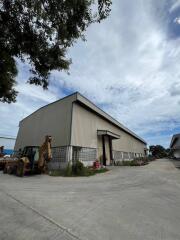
<point>80,130</point>
<point>175,145</point>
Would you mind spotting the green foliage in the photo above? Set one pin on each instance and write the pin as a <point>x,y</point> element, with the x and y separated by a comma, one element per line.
<point>68,170</point>
<point>8,72</point>
<point>158,151</point>
<point>135,162</point>
<point>101,170</point>
<point>56,173</point>
<point>40,32</point>
<point>169,153</point>
<point>78,169</point>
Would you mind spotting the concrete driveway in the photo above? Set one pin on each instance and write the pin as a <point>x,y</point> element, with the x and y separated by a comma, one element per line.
<point>125,203</point>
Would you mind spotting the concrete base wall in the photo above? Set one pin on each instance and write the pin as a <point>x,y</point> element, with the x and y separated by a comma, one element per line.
<point>177,153</point>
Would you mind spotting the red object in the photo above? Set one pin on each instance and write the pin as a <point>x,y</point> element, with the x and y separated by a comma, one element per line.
<point>96,164</point>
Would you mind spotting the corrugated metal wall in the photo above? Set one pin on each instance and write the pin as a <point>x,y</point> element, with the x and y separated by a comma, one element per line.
<point>84,132</point>
<point>54,120</point>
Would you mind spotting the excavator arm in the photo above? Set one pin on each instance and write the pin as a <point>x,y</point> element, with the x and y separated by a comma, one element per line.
<point>45,154</point>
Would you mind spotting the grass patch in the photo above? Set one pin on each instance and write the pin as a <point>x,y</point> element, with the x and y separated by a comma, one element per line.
<point>77,170</point>
<point>55,173</point>
<point>101,170</point>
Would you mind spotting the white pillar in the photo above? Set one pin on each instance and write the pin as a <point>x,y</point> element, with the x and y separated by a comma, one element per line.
<point>69,154</point>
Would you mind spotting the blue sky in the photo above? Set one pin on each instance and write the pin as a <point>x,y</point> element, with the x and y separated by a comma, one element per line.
<point>129,66</point>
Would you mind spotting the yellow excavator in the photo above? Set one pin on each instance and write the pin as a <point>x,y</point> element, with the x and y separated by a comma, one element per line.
<point>32,160</point>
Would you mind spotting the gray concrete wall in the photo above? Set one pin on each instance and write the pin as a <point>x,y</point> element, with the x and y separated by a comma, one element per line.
<point>175,145</point>
<point>177,153</point>
<point>84,132</point>
<point>53,119</point>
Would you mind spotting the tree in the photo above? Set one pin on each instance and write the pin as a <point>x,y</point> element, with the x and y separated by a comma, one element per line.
<point>158,151</point>
<point>169,152</point>
<point>40,32</point>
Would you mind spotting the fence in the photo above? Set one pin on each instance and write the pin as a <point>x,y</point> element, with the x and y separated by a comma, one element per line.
<point>120,156</point>
<point>84,154</point>
<point>59,157</point>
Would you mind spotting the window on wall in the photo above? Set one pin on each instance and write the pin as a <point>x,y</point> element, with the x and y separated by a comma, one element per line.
<point>84,154</point>
<point>125,155</point>
<point>131,155</point>
<point>117,155</point>
<point>59,154</point>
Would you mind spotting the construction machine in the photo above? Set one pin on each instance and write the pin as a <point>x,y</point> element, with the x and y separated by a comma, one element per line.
<point>32,160</point>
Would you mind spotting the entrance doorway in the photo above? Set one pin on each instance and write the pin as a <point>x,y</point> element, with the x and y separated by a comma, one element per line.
<point>107,150</point>
<point>105,138</point>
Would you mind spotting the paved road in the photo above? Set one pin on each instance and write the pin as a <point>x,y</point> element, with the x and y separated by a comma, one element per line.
<point>138,203</point>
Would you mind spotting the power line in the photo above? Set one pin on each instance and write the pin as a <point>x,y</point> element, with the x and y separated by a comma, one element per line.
<point>8,137</point>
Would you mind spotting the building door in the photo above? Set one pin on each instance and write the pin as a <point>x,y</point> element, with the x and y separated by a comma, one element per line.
<point>107,150</point>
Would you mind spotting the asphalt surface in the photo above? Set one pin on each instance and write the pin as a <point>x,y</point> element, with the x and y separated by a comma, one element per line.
<point>125,203</point>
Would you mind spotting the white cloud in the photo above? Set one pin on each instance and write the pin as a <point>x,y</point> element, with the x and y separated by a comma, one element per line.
<point>29,99</point>
<point>128,66</point>
<point>177,20</point>
<point>175,5</point>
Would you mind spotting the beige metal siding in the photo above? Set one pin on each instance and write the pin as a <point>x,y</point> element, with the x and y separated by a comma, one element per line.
<point>176,147</point>
<point>53,119</point>
<point>176,153</point>
<point>92,106</point>
<point>84,132</point>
